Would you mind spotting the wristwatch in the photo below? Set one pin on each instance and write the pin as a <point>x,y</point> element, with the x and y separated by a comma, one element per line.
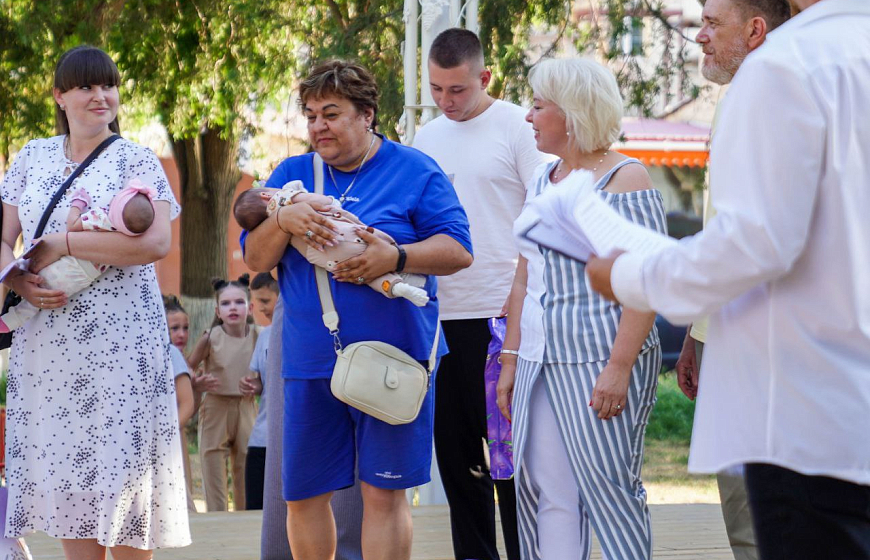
<point>400,264</point>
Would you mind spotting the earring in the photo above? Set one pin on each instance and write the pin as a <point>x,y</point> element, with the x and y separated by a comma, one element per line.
<point>63,107</point>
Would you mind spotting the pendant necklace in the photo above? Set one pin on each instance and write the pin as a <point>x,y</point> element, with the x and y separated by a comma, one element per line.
<point>69,165</point>
<point>343,196</point>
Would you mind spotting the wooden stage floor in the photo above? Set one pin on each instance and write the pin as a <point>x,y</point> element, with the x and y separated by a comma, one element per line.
<point>681,532</point>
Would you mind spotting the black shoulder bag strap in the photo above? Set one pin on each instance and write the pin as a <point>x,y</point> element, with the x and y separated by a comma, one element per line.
<point>69,181</point>
<point>13,299</point>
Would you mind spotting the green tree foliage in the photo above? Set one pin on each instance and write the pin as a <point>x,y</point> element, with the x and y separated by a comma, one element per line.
<point>369,31</point>
<point>372,32</point>
<point>205,69</point>
<point>33,35</point>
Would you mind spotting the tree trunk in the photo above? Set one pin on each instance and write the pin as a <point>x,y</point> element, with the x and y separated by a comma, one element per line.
<point>208,171</point>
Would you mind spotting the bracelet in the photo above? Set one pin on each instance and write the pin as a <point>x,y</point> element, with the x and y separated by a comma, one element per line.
<point>508,352</point>
<point>278,221</point>
<point>68,250</point>
<point>403,256</point>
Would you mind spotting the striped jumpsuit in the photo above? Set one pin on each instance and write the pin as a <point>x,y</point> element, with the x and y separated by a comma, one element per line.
<point>599,483</point>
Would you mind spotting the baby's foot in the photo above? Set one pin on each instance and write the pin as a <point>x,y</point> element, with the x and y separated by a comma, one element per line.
<point>4,328</point>
<point>416,296</point>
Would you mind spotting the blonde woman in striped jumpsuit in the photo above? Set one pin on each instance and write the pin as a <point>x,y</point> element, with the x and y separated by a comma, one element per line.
<point>583,372</point>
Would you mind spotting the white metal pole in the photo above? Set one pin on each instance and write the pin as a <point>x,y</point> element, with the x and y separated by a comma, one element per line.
<point>436,18</point>
<point>411,15</point>
<point>455,10</point>
<point>472,23</point>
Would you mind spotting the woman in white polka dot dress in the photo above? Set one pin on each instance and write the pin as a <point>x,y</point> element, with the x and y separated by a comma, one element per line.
<point>93,451</point>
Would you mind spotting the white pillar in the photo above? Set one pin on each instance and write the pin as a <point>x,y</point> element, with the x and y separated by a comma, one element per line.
<point>435,19</point>
<point>455,10</point>
<point>472,22</point>
<point>410,16</point>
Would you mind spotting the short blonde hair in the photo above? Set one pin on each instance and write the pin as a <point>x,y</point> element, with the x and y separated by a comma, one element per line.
<point>587,93</point>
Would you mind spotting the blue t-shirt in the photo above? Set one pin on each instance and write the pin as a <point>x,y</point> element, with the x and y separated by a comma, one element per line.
<point>402,192</point>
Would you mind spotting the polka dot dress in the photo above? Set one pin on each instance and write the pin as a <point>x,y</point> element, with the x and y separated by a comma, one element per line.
<point>92,440</point>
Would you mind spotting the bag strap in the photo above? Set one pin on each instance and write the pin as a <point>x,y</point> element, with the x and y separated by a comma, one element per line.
<point>327,304</point>
<point>43,221</point>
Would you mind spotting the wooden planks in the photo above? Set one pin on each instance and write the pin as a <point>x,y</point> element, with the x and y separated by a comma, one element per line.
<point>681,532</point>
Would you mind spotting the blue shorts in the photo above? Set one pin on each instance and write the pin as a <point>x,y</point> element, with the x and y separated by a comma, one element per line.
<point>323,436</point>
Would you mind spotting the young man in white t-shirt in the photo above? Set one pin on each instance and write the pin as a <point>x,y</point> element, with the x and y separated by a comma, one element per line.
<point>488,150</point>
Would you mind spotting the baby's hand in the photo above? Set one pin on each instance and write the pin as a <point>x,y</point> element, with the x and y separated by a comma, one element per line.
<point>319,202</point>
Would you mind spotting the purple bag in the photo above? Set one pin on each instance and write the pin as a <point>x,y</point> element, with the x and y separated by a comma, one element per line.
<point>10,549</point>
<point>499,437</point>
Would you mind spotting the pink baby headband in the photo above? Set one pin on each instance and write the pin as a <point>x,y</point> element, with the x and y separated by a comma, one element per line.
<point>116,207</point>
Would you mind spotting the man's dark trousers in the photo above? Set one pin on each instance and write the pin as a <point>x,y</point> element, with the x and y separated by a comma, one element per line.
<point>800,517</point>
<point>460,433</point>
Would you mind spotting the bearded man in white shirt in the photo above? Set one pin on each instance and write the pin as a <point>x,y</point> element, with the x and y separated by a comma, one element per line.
<point>731,30</point>
<point>784,270</point>
<point>488,150</point>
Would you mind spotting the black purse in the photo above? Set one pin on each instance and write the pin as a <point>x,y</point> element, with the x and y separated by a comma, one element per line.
<point>13,299</point>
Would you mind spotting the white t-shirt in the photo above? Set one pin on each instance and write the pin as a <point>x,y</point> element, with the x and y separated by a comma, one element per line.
<point>489,159</point>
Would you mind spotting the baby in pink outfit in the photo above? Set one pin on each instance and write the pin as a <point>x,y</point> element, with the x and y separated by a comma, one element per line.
<point>130,212</point>
<point>255,205</point>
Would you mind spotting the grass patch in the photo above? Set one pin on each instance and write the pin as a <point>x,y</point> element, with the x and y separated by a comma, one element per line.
<point>672,417</point>
<point>666,450</point>
<point>667,479</point>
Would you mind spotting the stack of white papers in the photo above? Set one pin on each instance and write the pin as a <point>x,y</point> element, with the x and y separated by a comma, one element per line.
<point>572,219</point>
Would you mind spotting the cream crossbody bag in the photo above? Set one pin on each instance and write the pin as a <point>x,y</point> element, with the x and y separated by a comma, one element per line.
<point>372,376</point>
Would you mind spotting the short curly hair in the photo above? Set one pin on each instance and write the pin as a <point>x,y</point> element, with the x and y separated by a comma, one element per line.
<point>345,79</point>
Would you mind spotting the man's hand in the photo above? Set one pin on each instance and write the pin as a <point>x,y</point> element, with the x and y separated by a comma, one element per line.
<point>687,368</point>
<point>598,270</point>
<point>504,307</point>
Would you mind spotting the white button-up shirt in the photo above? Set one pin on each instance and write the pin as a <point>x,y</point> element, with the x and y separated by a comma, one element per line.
<point>784,268</point>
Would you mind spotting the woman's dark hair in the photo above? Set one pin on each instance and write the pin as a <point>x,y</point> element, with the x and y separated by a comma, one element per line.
<point>342,78</point>
<point>171,304</point>
<point>84,66</point>
<point>219,285</point>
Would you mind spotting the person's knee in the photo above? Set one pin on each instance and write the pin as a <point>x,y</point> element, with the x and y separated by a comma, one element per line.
<point>128,553</point>
<point>383,499</point>
<point>309,504</point>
